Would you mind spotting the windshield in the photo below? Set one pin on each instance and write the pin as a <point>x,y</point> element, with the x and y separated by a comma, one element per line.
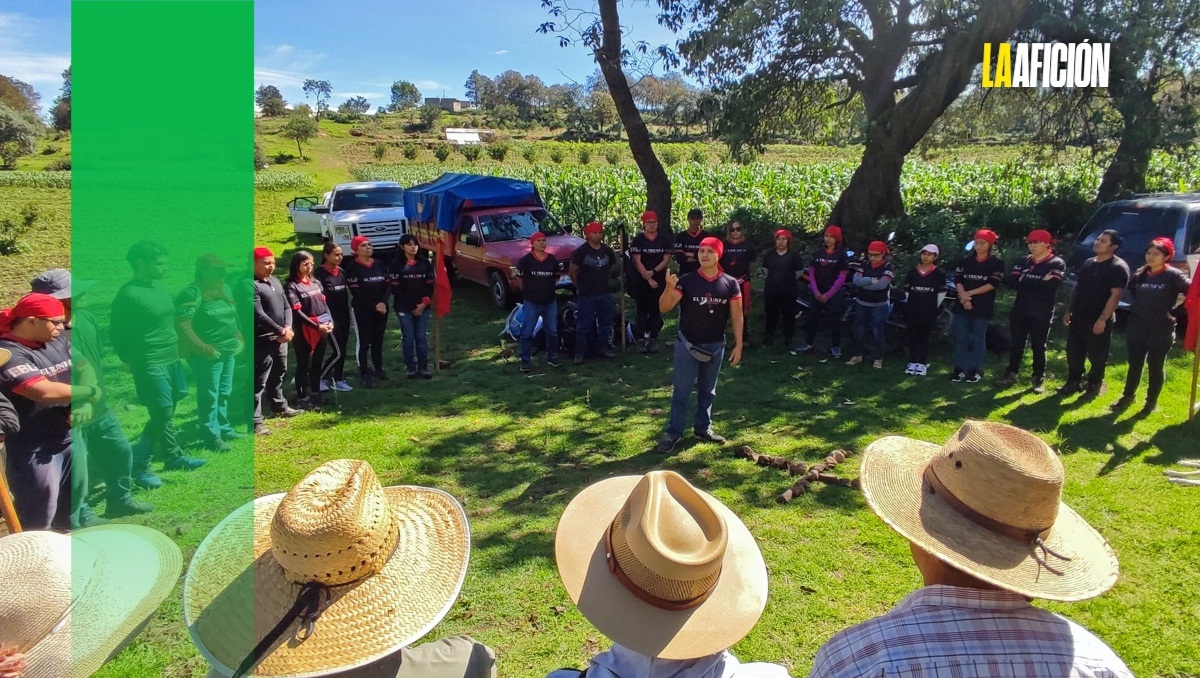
<point>518,225</point>
<point>363,198</point>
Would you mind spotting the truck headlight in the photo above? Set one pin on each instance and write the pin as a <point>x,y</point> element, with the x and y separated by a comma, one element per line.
<point>341,232</point>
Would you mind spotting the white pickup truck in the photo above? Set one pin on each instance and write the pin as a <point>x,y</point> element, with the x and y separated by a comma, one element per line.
<point>371,208</point>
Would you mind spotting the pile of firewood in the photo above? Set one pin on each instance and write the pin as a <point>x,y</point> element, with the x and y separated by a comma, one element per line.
<point>805,475</point>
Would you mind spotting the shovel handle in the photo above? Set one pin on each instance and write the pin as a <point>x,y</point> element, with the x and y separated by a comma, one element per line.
<point>6,506</point>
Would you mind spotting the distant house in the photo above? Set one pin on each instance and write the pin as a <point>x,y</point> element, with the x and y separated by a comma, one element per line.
<point>467,136</point>
<point>451,105</point>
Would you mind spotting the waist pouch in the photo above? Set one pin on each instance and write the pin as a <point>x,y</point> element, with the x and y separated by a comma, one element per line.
<point>701,355</point>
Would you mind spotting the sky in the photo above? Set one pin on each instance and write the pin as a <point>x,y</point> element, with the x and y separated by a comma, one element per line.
<point>359,46</point>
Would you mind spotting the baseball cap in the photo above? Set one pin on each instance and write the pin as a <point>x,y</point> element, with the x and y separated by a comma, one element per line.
<point>932,249</point>
<point>56,282</point>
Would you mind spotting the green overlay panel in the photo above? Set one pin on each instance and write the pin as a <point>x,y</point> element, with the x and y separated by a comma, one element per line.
<point>162,230</point>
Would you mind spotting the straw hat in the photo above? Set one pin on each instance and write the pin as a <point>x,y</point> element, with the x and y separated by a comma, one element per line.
<point>344,571</point>
<point>989,503</point>
<point>81,597</point>
<point>685,579</point>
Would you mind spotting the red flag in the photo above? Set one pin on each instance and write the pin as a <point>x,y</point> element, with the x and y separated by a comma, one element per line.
<point>441,284</point>
<point>1192,304</point>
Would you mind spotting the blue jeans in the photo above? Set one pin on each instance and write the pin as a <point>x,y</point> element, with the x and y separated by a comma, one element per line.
<point>690,373</point>
<point>590,311</point>
<point>530,312</point>
<point>214,384</point>
<point>970,342</point>
<point>870,319</point>
<point>414,340</point>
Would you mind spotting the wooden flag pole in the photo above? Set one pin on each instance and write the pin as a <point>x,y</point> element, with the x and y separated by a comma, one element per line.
<point>1195,378</point>
<point>624,242</point>
<point>6,506</point>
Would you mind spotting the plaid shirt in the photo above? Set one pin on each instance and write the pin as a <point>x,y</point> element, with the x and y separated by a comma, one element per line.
<point>967,633</point>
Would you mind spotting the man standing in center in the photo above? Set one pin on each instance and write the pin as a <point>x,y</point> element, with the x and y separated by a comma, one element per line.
<point>707,300</point>
<point>591,267</point>
<point>538,272</point>
<point>1090,316</point>
<point>687,243</point>
<point>1037,277</point>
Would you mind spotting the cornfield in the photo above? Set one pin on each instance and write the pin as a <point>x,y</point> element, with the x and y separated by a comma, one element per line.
<point>283,181</point>
<point>35,179</point>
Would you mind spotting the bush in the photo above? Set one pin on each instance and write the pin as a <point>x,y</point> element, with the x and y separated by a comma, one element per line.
<point>670,155</point>
<point>471,151</point>
<point>283,158</point>
<point>62,165</point>
<point>530,153</point>
<point>698,156</point>
<point>612,155</point>
<point>379,150</point>
<point>497,151</point>
<point>557,155</point>
<point>50,149</point>
<point>12,233</point>
<point>410,151</point>
<point>585,155</point>
<point>441,151</point>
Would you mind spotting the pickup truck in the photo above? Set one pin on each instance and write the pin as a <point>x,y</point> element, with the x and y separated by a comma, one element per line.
<point>371,208</point>
<point>483,224</point>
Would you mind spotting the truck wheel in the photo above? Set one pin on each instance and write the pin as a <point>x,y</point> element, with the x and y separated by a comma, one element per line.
<point>501,292</point>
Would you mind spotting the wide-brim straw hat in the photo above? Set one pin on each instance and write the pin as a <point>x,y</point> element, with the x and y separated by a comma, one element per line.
<point>661,525</point>
<point>998,514</point>
<point>70,603</point>
<point>393,559</point>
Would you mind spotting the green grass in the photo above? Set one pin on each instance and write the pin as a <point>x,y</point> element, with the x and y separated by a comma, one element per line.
<point>47,246</point>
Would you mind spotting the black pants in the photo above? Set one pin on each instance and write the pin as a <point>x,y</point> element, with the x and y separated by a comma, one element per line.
<point>335,359</point>
<point>371,326</point>
<point>1083,344</point>
<point>270,362</point>
<point>647,319</point>
<point>780,310</point>
<point>919,331</point>
<point>1147,347</point>
<point>309,363</point>
<point>834,308</point>
<point>110,453</point>
<point>1033,323</point>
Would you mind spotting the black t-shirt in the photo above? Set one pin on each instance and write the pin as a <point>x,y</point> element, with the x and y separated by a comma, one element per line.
<point>410,283</point>
<point>45,429</point>
<point>307,300</point>
<point>337,292</point>
<point>923,291</point>
<point>972,273</point>
<point>1094,284</point>
<point>704,306</point>
<point>595,265</point>
<point>1154,295</point>
<point>781,271</point>
<point>876,274</point>
<point>652,251</point>
<point>826,266</point>
<point>142,325</point>
<point>369,284</point>
<point>737,259</point>
<point>1034,291</point>
<point>538,278</point>
<point>685,244</point>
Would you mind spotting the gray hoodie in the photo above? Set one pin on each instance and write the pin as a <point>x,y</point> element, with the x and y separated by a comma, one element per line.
<point>621,662</point>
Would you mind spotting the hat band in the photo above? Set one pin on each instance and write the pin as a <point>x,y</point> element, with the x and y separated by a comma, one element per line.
<point>645,596</point>
<point>1022,534</point>
<point>306,608</point>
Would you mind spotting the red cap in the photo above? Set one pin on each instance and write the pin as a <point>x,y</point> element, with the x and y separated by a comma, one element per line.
<point>357,241</point>
<point>593,227</point>
<point>784,232</point>
<point>1165,245</point>
<point>835,231</point>
<point>986,235</point>
<point>649,215</point>
<point>877,246</point>
<point>263,253</point>
<point>537,236</point>
<point>716,244</point>
<point>31,305</point>
<point>1039,235</point>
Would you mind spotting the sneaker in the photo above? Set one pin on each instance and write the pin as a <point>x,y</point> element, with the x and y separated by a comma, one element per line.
<point>974,377</point>
<point>854,360</point>
<point>147,480</point>
<point>289,412</point>
<point>878,364</point>
<point>835,351</point>
<point>1037,385</point>
<point>957,376</point>
<point>183,463</point>
<point>911,369</point>
<point>668,443</point>
<point>922,370</point>
<point>129,507</point>
<point>261,430</point>
<point>342,386</point>
<point>553,361</point>
<point>410,374</point>
<point>802,348</point>
<point>1093,390</point>
<point>425,373</point>
<point>607,353</point>
<point>1072,386</point>
<point>324,386</point>
<point>709,436</point>
<point>1122,404</point>
<point>1009,379</point>
<point>526,367</point>
<point>578,360</point>
<point>89,519</point>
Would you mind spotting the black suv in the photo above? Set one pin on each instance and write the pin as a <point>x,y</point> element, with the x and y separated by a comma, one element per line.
<point>1141,219</point>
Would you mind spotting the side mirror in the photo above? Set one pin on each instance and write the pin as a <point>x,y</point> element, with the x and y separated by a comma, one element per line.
<point>471,239</point>
<point>567,228</point>
<point>319,209</point>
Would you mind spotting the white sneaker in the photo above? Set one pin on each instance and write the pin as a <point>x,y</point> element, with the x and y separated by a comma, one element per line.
<point>922,370</point>
<point>324,386</point>
<point>343,386</point>
<point>911,369</point>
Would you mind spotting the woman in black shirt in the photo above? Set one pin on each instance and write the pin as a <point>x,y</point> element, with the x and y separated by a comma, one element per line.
<point>784,267</point>
<point>649,253</point>
<point>976,280</point>
<point>926,285</point>
<point>368,281</point>
<point>311,323</point>
<point>337,297</point>
<point>412,291</point>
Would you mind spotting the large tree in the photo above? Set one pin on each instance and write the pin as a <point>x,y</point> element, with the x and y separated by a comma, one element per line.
<point>907,60</point>
<point>321,90</point>
<point>405,95</point>
<point>270,101</point>
<point>601,33</point>
<point>19,134</point>
<point>19,95</point>
<point>300,127</point>
<point>60,111</point>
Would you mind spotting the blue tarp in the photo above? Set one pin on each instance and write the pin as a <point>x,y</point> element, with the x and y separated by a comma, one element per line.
<point>442,199</point>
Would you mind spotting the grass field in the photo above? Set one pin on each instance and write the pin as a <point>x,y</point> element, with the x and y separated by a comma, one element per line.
<point>516,448</point>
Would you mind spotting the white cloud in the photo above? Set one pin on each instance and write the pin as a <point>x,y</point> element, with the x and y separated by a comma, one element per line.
<point>34,68</point>
<point>267,76</point>
<point>286,65</point>
<point>499,52</point>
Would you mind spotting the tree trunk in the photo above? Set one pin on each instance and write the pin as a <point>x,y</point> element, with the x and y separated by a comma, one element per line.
<point>895,128</point>
<point>1141,133</point>
<point>608,57</point>
<point>299,150</point>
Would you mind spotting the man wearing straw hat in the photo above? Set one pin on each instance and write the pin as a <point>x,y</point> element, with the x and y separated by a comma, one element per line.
<point>335,578</point>
<point>87,596</point>
<point>665,571</point>
<point>987,528</point>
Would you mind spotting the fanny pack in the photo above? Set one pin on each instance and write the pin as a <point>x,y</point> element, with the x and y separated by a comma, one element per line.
<point>701,355</point>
